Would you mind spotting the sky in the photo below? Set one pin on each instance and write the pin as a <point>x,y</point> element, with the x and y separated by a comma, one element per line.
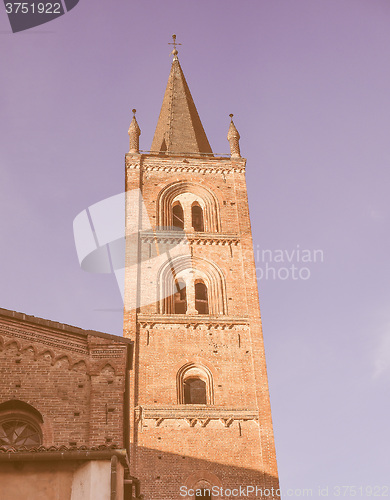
<point>308,82</point>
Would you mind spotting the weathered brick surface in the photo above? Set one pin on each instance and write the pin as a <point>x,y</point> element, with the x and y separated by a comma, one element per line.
<point>230,440</point>
<point>74,378</point>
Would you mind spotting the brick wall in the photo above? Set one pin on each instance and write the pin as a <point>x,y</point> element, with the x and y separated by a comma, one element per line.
<point>229,440</point>
<point>75,379</point>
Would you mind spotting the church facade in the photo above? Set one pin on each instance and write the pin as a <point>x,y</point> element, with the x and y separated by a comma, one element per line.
<point>64,403</point>
<point>200,412</point>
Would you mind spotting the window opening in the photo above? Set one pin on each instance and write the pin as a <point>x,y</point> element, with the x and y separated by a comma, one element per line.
<point>201,299</point>
<point>197,217</point>
<point>180,298</point>
<point>178,216</point>
<point>17,432</point>
<point>195,391</point>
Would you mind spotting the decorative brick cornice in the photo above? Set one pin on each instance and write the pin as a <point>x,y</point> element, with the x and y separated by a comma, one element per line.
<point>61,448</point>
<point>107,352</point>
<point>185,163</point>
<point>45,330</point>
<point>191,321</point>
<point>132,164</point>
<point>194,415</point>
<point>88,362</point>
<point>190,238</point>
<point>187,169</point>
<point>61,342</point>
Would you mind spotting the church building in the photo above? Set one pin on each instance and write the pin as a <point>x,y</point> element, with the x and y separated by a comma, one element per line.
<point>177,408</point>
<point>64,403</point>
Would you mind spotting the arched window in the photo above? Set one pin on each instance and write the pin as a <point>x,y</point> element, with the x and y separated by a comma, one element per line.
<point>195,385</point>
<point>205,281</point>
<point>197,217</point>
<point>200,206</point>
<point>178,215</point>
<point>195,391</point>
<point>16,432</point>
<point>19,425</point>
<point>201,298</point>
<point>180,298</point>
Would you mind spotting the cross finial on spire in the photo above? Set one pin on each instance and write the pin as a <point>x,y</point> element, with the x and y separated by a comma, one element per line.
<point>174,43</point>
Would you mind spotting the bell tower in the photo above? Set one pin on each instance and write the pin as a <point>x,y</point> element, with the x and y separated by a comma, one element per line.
<point>200,421</point>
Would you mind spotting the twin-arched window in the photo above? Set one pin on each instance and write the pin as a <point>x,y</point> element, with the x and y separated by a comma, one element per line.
<point>188,206</point>
<point>180,298</point>
<point>179,217</point>
<point>191,285</point>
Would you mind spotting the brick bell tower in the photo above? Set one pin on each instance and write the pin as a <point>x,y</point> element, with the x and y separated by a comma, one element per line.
<point>200,421</point>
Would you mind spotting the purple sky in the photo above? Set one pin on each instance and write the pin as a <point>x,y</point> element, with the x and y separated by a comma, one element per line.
<point>308,82</point>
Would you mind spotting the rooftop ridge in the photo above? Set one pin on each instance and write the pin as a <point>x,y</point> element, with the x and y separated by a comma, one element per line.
<point>47,323</point>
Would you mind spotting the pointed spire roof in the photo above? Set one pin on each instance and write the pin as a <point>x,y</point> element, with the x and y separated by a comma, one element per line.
<point>179,129</point>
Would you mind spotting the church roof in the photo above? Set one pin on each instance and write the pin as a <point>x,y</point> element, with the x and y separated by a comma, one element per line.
<point>179,129</point>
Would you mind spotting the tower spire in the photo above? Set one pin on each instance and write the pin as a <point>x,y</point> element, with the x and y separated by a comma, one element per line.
<point>179,129</point>
<point>196,301</point>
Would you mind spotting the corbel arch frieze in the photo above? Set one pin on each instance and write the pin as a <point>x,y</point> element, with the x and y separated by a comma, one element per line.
<point>105,369</point>
<point>45,354</point>
<point>40,354</point>
<point>30,348</point>
<point>62,361</point>
<point>8,345</point>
